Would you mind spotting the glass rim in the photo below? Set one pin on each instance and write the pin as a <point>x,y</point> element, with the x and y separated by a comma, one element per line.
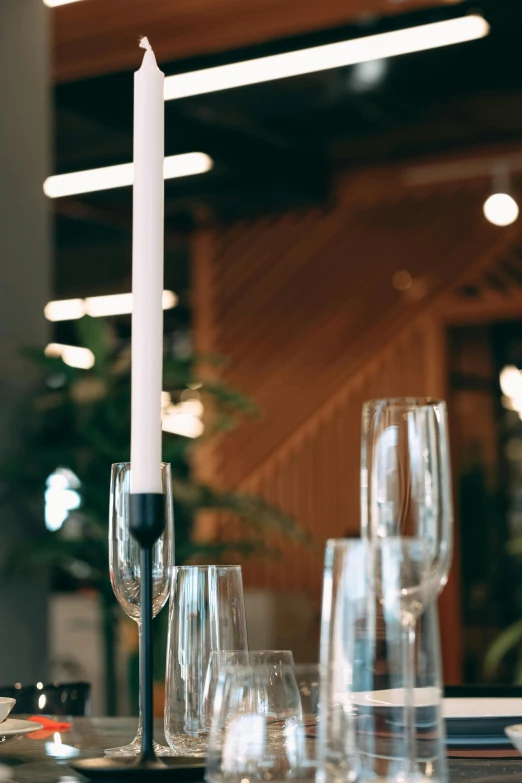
<point>206,567</point>
<point>255,666</point>
<point>250,652</point>
<point>125,464</point>
<point>345,542</point>
<point>404,402</point>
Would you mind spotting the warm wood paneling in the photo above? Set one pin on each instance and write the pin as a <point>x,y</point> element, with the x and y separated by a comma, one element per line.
<point>99,36</point>
<point>304,307</point>
<point>492,291</point>
<point>300,300</point>
<point>316,477</point>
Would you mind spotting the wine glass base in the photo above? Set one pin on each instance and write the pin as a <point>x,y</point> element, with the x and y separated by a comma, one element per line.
<point>104,770</point>
<point>190,747</point>
<point>133,749</point>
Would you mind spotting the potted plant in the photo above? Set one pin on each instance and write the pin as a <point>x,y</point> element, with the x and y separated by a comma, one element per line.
<point>79,420</point>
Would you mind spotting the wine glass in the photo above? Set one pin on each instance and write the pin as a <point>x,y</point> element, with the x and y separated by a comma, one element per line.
<point>406,492</point>
<point>124,562</point>
<point>406,477</point>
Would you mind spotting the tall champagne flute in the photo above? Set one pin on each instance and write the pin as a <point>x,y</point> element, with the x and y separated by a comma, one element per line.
<point>406,492</point>
<point>406,477</point>
<point>124,562</point>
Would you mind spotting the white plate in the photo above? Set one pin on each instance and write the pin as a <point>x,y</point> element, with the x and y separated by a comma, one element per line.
<point>455,708</point>
<point>394,697</point>
<point>469,708</point>
<point>12,728</point>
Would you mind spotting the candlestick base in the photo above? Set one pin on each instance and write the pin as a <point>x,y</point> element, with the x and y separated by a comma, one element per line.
<point>176,769</point>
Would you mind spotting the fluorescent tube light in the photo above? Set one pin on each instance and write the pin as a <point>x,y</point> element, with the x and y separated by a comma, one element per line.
<point>64,310</point>
<point>179,422</point>
<point>92,180</point>
<point>73,355</point>
<point>54,3</point>
<point>121,304</point>
<point>98,306</point>
<point>183,424</point>
<point>322,58</point>
<point>169,300</point>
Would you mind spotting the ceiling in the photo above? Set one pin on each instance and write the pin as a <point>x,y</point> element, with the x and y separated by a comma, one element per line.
<point>276,145</point>
<point>95,37</point>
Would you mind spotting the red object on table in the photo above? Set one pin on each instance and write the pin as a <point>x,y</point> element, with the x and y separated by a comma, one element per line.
<point>50,727</point>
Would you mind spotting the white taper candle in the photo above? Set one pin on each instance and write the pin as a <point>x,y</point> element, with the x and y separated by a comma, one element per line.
<point>147,274</point>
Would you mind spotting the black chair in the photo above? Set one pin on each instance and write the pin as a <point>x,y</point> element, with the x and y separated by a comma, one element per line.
<point>70,698</point>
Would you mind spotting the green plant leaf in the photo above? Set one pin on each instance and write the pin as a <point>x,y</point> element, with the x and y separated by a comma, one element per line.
<point>503,644</point>
<point>514,547</point>
<point>94,334</point>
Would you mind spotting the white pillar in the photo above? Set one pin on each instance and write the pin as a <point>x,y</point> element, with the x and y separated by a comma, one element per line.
<point>24,288</point>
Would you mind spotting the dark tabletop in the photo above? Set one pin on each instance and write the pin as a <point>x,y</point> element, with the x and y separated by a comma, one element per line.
<point>44,760</point>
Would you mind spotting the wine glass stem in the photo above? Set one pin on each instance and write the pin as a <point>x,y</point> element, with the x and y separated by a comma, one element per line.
<point>140,727</point>
<point>408,665</point>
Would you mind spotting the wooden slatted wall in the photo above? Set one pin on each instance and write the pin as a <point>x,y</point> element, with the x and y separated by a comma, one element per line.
<point>304,307</point>
<point>302,301</point>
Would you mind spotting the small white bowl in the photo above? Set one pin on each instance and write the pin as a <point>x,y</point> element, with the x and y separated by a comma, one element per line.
<point>515,735</point>
<point>6,705</point>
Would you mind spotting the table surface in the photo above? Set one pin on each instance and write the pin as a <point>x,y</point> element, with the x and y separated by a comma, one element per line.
<point>43,760</point>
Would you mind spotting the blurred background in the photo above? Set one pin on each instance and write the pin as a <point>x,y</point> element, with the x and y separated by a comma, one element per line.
<point>348,230</point>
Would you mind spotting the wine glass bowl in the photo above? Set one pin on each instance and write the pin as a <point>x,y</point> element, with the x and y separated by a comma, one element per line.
<point>405,477</point>
<point>124,550</point>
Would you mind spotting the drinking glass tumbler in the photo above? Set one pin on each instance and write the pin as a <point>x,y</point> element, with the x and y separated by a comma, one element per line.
<point>207,614</point>
<point>369,590</point>
<point>258,733</point>
<point>221,659</point>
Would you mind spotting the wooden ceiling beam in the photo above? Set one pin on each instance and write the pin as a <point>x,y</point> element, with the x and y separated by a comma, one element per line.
<point>96,36</point>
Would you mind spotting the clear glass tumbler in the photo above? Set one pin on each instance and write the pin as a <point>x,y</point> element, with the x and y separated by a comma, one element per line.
<point>207,614</point>
<point>221,659</point>
<point>258,732</point>
<point>369,589</point>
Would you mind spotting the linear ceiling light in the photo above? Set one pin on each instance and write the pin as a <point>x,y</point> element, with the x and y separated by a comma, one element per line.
<point>322,58</point>
<point>98,306</point>
<point>123,175</point>
<point>73,355</point>
<point>64,310</point>
<point>54,3</point>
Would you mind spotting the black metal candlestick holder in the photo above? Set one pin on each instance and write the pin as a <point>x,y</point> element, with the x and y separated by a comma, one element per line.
<point>147,523</point>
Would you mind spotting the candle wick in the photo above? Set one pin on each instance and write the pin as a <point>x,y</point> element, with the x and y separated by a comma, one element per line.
<point>144,43</point>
